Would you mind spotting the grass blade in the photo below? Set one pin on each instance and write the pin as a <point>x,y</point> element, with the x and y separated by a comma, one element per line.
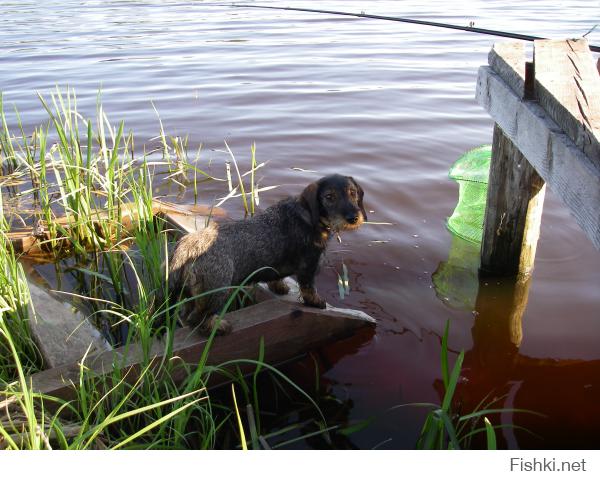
<point>490,434</point>
<point>239,419</point>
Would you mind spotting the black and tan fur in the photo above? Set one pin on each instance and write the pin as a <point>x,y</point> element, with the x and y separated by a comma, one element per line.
<point>289,237</point>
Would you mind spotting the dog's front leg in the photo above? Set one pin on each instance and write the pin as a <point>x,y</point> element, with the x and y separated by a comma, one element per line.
<point>306,281</point>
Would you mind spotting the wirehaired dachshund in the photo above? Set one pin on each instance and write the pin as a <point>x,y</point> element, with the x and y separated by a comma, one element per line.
<point>290,237</point>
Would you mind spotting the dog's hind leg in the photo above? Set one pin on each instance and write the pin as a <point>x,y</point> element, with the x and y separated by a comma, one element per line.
<point>279,287</point>
<point>209,306</point>
<point>206,313</point>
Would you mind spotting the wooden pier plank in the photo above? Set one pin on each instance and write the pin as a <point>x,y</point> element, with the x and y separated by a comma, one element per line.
<point>507,59</point>
<point>567,86</point>
<point>288,330</point>
<point>24,241</point>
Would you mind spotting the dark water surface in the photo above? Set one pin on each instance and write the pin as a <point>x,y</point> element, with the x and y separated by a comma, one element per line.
<point>391,104</point>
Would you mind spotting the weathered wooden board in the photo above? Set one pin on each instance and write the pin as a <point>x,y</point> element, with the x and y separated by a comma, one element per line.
<point>24,241</point>
<point>62,334</point>
<point>567,86</point>
<point>567,170</point>
<point>513,214</point>
<point>288,330</point>
<point>507,59</point>
<point>293,297</point>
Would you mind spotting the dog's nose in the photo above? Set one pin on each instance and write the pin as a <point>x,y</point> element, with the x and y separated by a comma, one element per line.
<point>352,218</point>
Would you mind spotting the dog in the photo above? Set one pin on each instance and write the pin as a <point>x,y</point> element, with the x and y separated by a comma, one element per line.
<point>289,238</point>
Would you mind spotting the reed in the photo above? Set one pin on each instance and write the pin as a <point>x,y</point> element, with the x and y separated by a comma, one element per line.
<point>82,173</point>
<point>446,429</point>
<point>14,316</point>
<point>251,190</point>
<point>154,411</point>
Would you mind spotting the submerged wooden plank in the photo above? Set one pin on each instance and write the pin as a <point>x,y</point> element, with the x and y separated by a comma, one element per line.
<point>566,169</point>
<point>567,86</point>
<point>287,330</point>
<point>62,334</point>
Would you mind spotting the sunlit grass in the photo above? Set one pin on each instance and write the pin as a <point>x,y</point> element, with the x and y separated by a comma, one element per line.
<point>446,429</point>
<point>91,196</point>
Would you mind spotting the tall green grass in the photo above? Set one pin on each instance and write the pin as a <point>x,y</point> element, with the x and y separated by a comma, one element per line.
<point>155,411</point>
<point>444,427</point>
<point>14,316</point>
<point>81,173</point>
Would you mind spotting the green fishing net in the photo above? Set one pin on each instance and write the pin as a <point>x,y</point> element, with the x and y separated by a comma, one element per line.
<point>471,171</point>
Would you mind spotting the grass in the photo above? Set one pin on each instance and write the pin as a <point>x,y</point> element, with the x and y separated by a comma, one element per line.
<point>80,177</point>
<point>444,427</point>
<point>152,409</point>
<point>14,298</point>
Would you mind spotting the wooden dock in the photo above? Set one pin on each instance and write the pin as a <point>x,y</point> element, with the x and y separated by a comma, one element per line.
<point>286,329</point>
<point>282,324</point>
<point>547,133</point>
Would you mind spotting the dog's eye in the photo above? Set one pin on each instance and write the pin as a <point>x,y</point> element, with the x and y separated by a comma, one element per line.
<point>352,193</point>
<point>330,197</point>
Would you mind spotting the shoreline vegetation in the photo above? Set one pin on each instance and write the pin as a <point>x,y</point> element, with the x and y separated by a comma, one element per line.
<point>70,182</point>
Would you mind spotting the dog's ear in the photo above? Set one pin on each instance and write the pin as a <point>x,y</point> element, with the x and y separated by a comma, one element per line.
<point>361,194</point>
<point>309,199</point>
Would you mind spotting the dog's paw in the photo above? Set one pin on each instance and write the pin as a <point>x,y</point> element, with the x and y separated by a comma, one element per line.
<point>223,326</point>
<point>314,300</point>
<point>279,287</point>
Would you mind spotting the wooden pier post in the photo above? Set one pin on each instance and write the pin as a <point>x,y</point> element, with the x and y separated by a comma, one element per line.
<point>513,211</point>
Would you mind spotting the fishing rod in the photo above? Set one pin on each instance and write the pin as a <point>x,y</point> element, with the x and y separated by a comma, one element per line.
<point>484,31</point>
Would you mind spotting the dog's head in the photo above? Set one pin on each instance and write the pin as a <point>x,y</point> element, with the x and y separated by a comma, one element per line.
<point>334,202</point>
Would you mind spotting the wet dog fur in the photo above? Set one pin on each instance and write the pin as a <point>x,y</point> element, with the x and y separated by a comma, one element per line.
<point>290,237</point>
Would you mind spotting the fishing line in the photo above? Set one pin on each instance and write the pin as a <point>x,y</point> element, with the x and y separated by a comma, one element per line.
<point>472,29</point>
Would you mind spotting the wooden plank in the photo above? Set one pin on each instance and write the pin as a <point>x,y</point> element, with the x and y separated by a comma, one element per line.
<point>561,164</point>
<point>513,214</point>
<point>293,297</point>
<point>186,223</point>
<point>62,334</point>
<point>567,86</point>
<point>25,242</point>
<point>507,59</point>
<point>288,330</point>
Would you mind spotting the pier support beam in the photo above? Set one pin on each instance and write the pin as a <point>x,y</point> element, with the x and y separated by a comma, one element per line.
<point>513,212</point>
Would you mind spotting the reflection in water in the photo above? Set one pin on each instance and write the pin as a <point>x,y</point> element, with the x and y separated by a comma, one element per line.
<point>563,391</point>
<point>456,280</point>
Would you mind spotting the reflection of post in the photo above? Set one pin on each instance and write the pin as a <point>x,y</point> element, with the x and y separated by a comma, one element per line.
<point>492,362</point>
<point>498,332</point>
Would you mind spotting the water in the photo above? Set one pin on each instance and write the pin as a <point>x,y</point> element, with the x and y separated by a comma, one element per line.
<point>390,104</point>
